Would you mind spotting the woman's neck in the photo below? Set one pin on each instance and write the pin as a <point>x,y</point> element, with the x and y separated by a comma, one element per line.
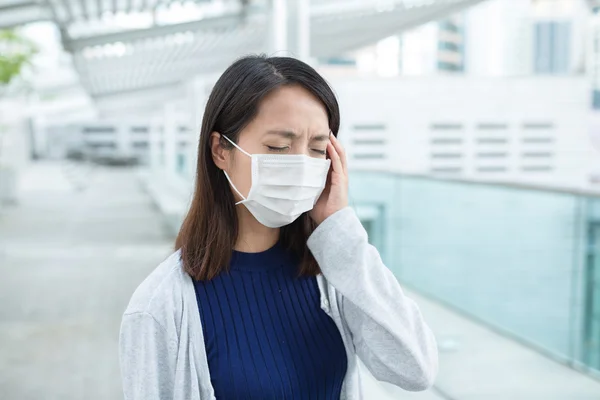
<point>253,237</point>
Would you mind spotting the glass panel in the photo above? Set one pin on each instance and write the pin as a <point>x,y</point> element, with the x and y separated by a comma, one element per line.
<point>593,336</point>
<point>368,225</point>
<point>592,300</point>
<point>508,256</point>
<point>371,217</point>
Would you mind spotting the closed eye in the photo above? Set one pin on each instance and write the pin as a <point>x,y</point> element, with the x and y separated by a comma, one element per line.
<point>277,149</point>
<point>322,152</point>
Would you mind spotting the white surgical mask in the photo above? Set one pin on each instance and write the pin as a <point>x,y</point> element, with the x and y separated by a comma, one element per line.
<point>283,186</point>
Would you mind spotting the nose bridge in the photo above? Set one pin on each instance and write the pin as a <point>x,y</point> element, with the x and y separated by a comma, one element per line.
<point>302,145</point>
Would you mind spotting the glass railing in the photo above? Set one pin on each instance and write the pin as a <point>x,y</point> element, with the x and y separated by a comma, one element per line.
<point>524,261</point>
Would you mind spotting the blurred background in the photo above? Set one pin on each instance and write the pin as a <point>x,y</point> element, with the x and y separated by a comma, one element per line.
<point>473,133</point>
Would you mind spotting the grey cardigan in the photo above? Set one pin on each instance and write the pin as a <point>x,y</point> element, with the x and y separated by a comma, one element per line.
<point>162,352</point>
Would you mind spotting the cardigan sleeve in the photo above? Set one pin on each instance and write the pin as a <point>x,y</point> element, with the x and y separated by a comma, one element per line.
<point>388,331</point>
<point>146,358</point>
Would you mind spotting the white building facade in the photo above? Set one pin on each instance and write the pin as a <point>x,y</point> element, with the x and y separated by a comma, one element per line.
<point>525,130</point>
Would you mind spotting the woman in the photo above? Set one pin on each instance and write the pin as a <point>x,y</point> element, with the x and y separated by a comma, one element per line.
<point>274,291</point>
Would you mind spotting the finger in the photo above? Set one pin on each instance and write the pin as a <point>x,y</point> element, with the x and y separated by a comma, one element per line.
<point>328,182</point>
<point>336,162</point>
<point>341,152</point>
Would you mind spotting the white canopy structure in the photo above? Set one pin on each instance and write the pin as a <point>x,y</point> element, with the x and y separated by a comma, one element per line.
<point>158,50</point>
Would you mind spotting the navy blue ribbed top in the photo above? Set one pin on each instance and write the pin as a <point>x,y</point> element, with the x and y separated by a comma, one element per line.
<point>265,334</point>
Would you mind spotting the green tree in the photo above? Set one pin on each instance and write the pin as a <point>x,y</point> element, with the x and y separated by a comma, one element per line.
<point>15,53</point>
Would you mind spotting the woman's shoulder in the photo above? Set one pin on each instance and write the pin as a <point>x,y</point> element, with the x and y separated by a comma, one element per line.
<point>162,291</point>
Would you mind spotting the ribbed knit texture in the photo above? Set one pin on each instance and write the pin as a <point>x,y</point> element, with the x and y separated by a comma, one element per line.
<point>265,334</point>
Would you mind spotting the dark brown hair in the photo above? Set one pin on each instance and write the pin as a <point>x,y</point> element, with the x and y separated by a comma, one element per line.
<point>209,231</point>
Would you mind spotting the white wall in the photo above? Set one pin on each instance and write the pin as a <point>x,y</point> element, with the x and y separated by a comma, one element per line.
<point>14,133</point>
<point>409,114</point>
<point>419,50</point>
<point>14,147</point>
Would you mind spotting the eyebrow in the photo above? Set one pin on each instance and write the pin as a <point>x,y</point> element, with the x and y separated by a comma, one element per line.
<point>320,138</point>
<point>285,134</point>
<point>294,135</point>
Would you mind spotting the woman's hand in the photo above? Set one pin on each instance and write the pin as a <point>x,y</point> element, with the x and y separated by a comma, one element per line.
<point>335,194</point>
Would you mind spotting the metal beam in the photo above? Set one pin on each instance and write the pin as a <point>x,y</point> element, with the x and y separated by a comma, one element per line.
<point>19,14</point>
<point>17,5</point>
<point>68,10</point>
<point>106,77</point>
<point>155,92</point>
<point>99,10</point>
<point>215,23</point>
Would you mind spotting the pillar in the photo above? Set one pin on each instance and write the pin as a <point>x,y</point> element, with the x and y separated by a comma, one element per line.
<point>290,28</point>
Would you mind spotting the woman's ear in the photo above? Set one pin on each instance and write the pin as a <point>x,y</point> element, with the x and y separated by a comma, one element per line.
<point>219,153</point>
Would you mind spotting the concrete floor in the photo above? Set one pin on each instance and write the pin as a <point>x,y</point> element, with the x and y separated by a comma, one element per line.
<point>82,239</point>
<point>69,262</point>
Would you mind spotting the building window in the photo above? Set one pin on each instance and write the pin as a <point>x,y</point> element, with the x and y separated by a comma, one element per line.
<point>446,170</point>
<point>491,169</point>
<point>449,25</point>
<point>537,168</point>
<point>492,127</point>
<point>491,140</point>
<point>99,129</point>
<point>596,98</point>
<point>446,127</point>
<point>369,127</point>
<point>552,47</point>
<point>492,154</point>
<point>446,156</point>
<point>102,145</point>
<point>181,164</point>
<point>369,142</point>
<point>537,125</point>
<point>538,140</point>
<point>369,156</point>
<point>139,129</point>
<point>537,154</point>
<point>446,66</point>
<point>446,141</point>
<point>449,46</point>
<point>139,145</point>
<point>342,61</point>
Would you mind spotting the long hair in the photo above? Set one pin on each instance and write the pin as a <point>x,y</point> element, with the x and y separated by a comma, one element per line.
<point>210,229</point>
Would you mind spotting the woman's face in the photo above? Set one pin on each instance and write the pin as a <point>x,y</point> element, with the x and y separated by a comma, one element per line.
<point>290,120</point>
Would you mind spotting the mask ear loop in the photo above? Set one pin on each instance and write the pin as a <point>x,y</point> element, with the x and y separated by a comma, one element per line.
<point>234,188</point>
<point>236,146</point>
<point>227,175</point>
